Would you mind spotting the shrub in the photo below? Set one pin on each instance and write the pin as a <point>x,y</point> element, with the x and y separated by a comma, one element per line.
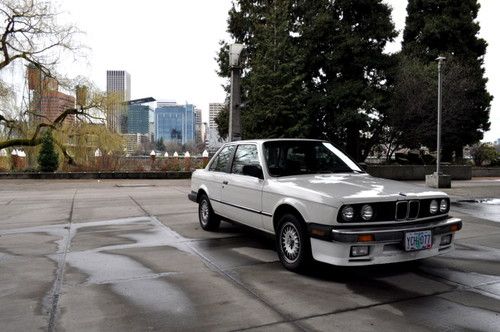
<point>48,159</point>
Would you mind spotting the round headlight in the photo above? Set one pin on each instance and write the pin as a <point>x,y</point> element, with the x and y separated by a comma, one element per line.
<point>443,205</point>
<point>366,212</point>
<point>433,208</point>
<point>347,213</point>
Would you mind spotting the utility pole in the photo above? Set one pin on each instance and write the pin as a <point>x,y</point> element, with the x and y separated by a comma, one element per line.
<point>438,179</point>
<point>234,107</point>
<point>440,60</point>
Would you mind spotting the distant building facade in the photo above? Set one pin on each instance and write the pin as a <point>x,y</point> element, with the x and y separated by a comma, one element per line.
<point>198,125</point>
<point>135,142</point>
<point>214,140</point>
<point>139,118</point>
<point>175,123</point>
<point>53,104</point>
<point>118,84</point>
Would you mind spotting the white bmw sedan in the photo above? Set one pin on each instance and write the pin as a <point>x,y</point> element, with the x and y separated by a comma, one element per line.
<point>321,205</point>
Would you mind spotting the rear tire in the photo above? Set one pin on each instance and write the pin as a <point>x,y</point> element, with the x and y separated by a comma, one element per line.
<point>209,221</point>
<point>293,243</point>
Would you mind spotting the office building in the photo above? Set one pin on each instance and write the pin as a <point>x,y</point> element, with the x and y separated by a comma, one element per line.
<point>213,111</point>
<point>118,85</point>
<point>53,103</point>
<point>175,123</point>
<point>214,140</point>
<point>198,125</point>
<point>139,119</point>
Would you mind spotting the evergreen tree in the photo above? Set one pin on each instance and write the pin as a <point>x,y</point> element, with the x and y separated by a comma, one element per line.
<point>160,145</point>
<point>48,159</point>
<point>313,69</point>
<point>448,28</point>
<point>347,70</point>
<point>272,85</point>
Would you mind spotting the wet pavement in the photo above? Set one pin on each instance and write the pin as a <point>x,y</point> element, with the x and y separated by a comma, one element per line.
<point>130,255</point>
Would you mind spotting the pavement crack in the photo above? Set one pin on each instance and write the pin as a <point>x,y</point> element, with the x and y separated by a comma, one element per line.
<point>232,279</point>
<point>56,289</point>
<point>12,200</point>
<point>140,206</point>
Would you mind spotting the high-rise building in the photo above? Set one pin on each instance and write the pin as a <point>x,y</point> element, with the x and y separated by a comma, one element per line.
<point>53,103</point>
<point>47,103</point>
<point>118,84</point>
<point>198,123</point>
<point>214,140</point>
<point>213,111</point>
<point>139,118</point>
<point>175,123</point>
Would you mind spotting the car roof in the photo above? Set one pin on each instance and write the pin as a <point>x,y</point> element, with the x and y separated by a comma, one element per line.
<point>275,140</point>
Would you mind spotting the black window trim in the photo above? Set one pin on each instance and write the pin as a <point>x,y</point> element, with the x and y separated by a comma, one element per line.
<point>231,157</point>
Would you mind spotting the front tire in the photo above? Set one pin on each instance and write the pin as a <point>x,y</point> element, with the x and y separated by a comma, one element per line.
<point>293,243</point>
<point>209,221</point>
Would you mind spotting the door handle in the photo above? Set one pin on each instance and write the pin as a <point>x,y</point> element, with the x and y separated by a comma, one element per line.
<point>225,182</point>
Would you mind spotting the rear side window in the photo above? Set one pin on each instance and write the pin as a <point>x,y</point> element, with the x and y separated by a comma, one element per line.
<point>246,154</point>
<point>222,160</point>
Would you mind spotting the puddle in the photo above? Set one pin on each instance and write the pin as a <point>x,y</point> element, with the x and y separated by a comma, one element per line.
<point>486,208</point>
<point>134,185</point>
<point>126,277</point>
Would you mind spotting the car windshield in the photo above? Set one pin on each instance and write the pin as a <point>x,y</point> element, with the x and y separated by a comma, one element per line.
<point>284,158</point>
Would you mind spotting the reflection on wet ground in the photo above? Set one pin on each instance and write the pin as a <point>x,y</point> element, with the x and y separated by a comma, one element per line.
<point>162,272</point>
<point>486,208</point>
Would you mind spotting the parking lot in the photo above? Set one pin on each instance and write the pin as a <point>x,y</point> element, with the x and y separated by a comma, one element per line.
<point>130,255</point>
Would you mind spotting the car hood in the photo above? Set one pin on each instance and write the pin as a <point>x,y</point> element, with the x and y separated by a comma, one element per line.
<point>349,188</point>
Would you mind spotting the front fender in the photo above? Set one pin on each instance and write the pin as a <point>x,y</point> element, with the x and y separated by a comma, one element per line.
<point>311,212</point>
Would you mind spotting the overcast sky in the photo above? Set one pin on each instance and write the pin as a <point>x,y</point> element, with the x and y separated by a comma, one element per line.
<point>169,47</point>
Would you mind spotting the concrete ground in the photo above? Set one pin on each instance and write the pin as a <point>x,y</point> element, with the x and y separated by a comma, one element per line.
<point>130,255</point>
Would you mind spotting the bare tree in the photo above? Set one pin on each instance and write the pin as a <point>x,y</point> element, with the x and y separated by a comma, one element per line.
<point>31,34</point>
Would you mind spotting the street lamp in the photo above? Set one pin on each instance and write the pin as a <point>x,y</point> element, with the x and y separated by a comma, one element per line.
<point>438,179</point>
<point>234,107</point>
<point>440,60</point>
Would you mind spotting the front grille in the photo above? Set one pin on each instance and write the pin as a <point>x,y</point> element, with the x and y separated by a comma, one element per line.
<point>401,210</point>
<point>405,210</point>
<point>414,209</point>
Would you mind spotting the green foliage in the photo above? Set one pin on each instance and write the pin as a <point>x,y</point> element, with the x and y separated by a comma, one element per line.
<point>312,69</point>
<point>48,159</point>
<point>160,145</point>
<point>447,28</point>
<point>484,153</point>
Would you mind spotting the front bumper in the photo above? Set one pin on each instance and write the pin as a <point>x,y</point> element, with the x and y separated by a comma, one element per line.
<point>386,245</point>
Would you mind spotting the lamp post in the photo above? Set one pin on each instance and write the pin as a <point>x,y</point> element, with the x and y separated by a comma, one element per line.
<point>438,179</point>
<point>440,60</point>
<point>234,107</point>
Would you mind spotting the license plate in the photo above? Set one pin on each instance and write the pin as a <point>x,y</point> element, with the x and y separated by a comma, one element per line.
<point>418,240</point>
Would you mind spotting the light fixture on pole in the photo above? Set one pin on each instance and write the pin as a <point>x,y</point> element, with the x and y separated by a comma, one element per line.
<point>235,100</point>
<point>438,179</point>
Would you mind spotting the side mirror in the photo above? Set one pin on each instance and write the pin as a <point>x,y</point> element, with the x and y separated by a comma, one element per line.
<point>253,170</point>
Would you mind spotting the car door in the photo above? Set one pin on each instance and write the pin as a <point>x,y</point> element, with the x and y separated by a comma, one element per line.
<point>242,194</point>
<point>218,171</point>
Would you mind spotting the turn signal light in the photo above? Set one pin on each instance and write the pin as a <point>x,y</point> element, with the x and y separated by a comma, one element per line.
<point>366,238</point>
<point>454,228</point>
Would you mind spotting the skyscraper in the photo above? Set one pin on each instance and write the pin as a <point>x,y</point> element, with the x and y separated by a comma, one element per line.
<point>139,119</point>
<point>213,111</point>
<point>118,84</point>
<point>198,120</point>
<point>214,140</point>
<point>175,123</point>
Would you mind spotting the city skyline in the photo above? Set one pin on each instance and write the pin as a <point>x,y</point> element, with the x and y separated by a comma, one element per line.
<point>180,64</point>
